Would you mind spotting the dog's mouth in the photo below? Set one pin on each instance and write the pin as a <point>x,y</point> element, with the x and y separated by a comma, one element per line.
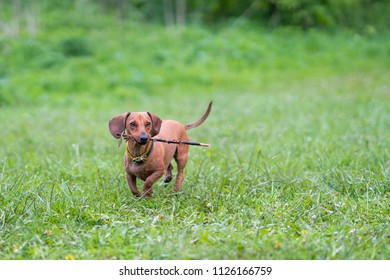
<point>141,141</point>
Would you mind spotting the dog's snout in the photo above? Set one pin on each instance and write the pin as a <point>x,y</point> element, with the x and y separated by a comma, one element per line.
<point>143,138</point>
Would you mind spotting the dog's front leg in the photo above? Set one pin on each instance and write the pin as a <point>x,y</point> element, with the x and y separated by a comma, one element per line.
<point>132,182</point>
<point>147,189</point>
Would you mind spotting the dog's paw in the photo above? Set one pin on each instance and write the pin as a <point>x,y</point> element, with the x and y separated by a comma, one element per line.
<point>176,189</point>
<point>137,194</point>
<point>168,179</point>
<point>147,194</point>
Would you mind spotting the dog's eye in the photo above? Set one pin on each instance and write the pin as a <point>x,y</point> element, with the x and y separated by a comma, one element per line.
<point>132,124</point>
<point>148,123</point>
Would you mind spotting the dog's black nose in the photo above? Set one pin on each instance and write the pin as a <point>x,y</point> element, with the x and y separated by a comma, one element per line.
<point>143,139</point>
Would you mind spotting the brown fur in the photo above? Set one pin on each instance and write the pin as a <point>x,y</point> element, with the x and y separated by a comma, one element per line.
<point>141,127</point>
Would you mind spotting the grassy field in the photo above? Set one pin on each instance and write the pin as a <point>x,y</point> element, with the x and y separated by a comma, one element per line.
<point>299,166</point>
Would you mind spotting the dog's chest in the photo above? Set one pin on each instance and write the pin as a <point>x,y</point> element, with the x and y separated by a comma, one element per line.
<point>140,170</point>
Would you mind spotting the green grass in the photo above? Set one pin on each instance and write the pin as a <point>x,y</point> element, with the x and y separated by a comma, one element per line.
<point>299,163</point>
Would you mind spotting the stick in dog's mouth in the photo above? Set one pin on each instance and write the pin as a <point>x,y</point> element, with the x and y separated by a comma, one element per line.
<point>126,136</point>
<point>181,142</point>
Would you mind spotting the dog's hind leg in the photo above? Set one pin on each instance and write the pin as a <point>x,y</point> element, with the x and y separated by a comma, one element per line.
<point>168,174</point>
<point>181,160</point>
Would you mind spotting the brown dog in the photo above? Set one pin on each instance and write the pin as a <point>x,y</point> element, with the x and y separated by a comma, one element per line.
<point>149,160</point>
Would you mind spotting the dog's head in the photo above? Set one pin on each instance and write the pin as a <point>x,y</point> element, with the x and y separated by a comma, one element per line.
<point>140,126</point>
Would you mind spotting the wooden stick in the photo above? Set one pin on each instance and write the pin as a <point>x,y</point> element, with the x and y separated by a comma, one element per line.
<point>181,142</point>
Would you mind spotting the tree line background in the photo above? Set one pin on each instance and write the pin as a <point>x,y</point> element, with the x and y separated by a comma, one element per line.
<point>355,14</point>
<point>302,13</point>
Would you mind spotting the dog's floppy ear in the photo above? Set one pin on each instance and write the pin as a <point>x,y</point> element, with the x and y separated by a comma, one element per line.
<point>117,124</point>
<point>156,124</point>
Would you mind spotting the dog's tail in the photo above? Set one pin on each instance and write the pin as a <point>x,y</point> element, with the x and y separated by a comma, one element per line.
<point>201,120</point>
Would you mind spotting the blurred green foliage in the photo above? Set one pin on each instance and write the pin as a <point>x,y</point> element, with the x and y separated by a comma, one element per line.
<point>53,48</point>
<point>356,14</point>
